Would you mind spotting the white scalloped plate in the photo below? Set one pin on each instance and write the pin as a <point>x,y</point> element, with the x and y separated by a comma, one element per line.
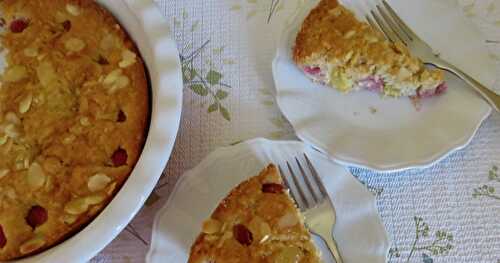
<point>396,136</point>
<point>144,22</point>
<point>359,231</point>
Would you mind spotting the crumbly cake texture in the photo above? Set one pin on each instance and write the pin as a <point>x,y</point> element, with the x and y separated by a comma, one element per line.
<point>74,108</point>
<point>256,222</point>
<point>336,49</point>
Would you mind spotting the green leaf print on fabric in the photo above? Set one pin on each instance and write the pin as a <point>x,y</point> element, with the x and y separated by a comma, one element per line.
<point>441,244</point>
<point>394,253</point>
<point>259,7</point>
<point>199,89</point>
<point>199,74</point>
<point>493,174</point>
<point>213,107</point>
<point>485,191</point>
<point>488,191</point>
<point>427,244</point>
<point>213,77</point>
<point>221,94</point>
<point>225,113</point>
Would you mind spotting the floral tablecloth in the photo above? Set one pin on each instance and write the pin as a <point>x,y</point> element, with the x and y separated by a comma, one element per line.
<point>447,213</point>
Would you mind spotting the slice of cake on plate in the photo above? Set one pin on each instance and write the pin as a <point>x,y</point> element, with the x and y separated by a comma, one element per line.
<point>257,222</point>
<point>336,49</point>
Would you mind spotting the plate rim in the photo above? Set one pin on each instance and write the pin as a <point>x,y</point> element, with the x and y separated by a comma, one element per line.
<point>305,136</point>
<point>106,225</point>
<point>250,144</point>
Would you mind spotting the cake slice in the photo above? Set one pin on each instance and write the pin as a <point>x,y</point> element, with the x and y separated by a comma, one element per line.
<point>256,222</point>
<point>337,50</point>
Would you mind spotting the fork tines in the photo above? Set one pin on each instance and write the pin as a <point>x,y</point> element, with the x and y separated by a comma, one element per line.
<point>305,185</point>
<point>386,20</point>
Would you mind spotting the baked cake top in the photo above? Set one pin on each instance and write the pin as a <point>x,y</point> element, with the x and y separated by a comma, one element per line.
<point>73,115</point>
<point>256,222</point>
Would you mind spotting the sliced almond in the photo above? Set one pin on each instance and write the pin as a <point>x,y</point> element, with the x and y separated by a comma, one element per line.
<point>260,228</point>
<point>36,176</point>
<point>74,44</point>
<point>73,9</point>
<point>371,38</point>
<point>49,185</point>
<point>98,182</point>
<point>25,103</point>
<point>122,82</point>
<point>46,73</point>
<point>11,117</point>
<point>211,226</point>
<point>11,131</point>
<point>41,57</point>
<point>31,52</point>
<point>349,34</point>
<point>69,139</point>
<point>95,199</point>
<point>60,16</point>
<point>10,192</point>
<point>4,172</point>
<point>69,219</point>
<point>128,59</point>
<point>15,73</point>
<point>33,244</point>
<point>112,77</point>
<point>288,254</point>
<point>288,220</point>
<point>265,232</point>
<point>19,165</point>
<point>3,139</point>
<point>26,162</point>
<point>108,42</point>
<point>335,12</point>
<point>84,121</point>
<point>76,206</point>
<point>348,56</point>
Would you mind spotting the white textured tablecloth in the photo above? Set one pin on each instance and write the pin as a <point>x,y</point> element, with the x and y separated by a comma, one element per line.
<point>447,213</point>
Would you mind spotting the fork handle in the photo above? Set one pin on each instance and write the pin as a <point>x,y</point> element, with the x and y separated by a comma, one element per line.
<point>327,235</point>
<point>491,97</point>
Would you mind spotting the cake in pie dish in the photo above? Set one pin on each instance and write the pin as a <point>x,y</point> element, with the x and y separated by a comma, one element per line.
<point>257,222</point>
<point>74,109</point>
<point>335,49</point>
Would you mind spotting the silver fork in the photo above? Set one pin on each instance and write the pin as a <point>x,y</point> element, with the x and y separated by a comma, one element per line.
<point>395,30</point>
<point>313,201</point>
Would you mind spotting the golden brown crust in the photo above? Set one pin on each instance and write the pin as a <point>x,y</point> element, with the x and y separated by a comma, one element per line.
<point>309,40</point>
<point>256,222</point>
<point>348,50</point>
<point>75,105</point>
